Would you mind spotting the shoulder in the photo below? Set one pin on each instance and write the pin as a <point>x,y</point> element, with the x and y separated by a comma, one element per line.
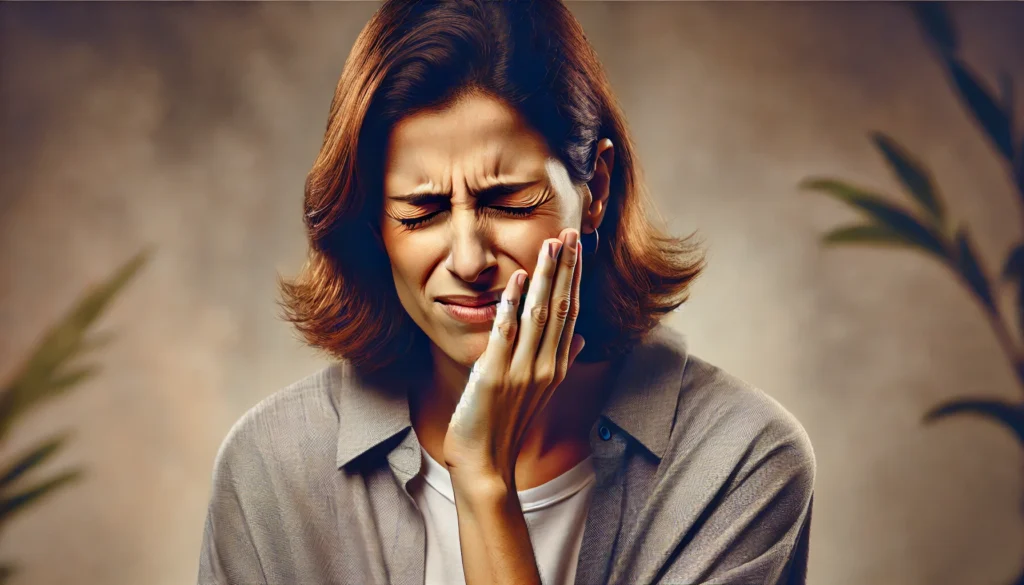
<point>295,424</point>
<point>741,426</point>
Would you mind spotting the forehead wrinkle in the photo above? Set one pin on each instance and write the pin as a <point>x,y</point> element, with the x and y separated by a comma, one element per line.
<point>499,149</point>
<point>482,174</point>
<point>412,174</point>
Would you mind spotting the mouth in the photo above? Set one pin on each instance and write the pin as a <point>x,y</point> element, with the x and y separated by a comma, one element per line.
<point>472,305</point>
<point>471,314</point>
<point>477,300</point>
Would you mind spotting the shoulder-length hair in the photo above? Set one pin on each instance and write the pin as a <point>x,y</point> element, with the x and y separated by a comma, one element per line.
<point>416,55</point>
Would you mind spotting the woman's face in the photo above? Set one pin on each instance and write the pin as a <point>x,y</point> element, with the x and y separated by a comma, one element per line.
<point>470,193</point>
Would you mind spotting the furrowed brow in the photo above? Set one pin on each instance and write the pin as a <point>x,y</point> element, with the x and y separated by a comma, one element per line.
<point>488,193</point>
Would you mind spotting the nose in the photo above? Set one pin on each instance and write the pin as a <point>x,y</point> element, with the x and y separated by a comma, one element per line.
<point>469,254</point>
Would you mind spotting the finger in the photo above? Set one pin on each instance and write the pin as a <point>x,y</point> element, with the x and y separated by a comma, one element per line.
<point>535,311</point>
<point>576,347</point>
<point>554,348</point>
<point>568,332</point>
<point>495,359</point>
<point>572,342</point>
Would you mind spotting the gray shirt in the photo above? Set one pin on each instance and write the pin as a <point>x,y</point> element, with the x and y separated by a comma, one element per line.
<point>701,478</point>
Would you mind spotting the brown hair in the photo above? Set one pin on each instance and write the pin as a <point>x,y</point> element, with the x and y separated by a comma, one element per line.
<point>416,55</point>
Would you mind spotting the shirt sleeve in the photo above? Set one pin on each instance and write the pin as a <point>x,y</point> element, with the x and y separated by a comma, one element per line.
<point>228,555</point>
<point>757,529</point>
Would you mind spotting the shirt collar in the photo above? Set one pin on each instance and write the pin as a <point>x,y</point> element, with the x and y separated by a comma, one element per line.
<point>642,402</point>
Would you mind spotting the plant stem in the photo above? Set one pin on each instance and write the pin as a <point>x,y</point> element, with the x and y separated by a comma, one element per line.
<point>1003,334</point>
<point>995,319</point>
<point>1017,177</point>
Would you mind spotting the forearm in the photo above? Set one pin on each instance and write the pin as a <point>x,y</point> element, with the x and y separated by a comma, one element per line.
<point>494,538</point>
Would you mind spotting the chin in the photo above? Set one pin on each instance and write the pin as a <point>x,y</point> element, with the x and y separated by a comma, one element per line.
<point>465,349</point>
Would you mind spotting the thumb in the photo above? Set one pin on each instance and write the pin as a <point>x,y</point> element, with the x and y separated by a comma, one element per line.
<point>575,347</point>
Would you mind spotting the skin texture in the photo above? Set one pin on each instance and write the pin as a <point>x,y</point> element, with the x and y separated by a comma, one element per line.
<point>525,361</point>
<point>511,431</point>
<point>469,247</point>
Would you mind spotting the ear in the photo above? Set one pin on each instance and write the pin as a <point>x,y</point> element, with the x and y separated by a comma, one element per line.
<point>599,186</point>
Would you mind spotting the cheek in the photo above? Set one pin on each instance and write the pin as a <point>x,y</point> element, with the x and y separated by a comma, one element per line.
<point>412,257</point>
<point>522,240</point>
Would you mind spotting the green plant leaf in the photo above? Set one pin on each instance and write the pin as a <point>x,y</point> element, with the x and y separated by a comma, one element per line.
<point>970,269</point>
<point>1006,99</point>
<point>933,17</point>
<point>73,378</point>
<point>912,174</point>
<point>40,376</point>
<point>987,112</point>
<point>16,403</point>
<point>866,234</point>
<point>1005,413</point>
<point>32,459</point>
<point>1020,170</point>
<point>1014,266</point>
<point>96,341</point>
<point>1013,271</point>
<point>10,505</point>
<point>1020,309</point>
<point>883,213</point>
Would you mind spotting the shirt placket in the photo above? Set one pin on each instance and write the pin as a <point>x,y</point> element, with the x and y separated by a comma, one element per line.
<point>604,514</point>
<point>407,556</point>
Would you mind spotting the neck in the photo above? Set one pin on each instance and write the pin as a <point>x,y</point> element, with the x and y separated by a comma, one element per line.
<point>564,424</point>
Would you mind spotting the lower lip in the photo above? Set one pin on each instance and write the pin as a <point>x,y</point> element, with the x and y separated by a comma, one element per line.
<point>481,314</point>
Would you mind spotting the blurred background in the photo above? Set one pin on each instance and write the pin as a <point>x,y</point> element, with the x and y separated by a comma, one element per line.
<point>190,127</point>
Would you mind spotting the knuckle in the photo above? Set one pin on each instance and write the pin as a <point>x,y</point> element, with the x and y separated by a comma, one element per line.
<point>517,381</point>
<point>574,310</point>
<point>563,307</point>
<point>539,314</point>
<point>569,256</point>
<point>544,375</point>
<point>507,330</point>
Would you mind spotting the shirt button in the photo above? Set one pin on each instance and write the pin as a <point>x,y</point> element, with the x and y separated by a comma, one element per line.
<point>604,432</point>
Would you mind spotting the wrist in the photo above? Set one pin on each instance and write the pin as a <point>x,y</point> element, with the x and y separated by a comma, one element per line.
<point>482,490</point>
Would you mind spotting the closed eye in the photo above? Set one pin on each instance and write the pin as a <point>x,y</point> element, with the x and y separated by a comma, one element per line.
<point>515,211</point>
<point>417,222</point>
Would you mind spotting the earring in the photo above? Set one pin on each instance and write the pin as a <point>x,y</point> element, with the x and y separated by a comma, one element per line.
<point>588,242</point>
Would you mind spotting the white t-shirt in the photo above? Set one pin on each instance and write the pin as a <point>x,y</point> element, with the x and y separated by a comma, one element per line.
<point>555,514</point>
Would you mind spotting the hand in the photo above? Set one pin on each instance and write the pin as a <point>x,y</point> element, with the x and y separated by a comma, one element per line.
<point>524,362</point>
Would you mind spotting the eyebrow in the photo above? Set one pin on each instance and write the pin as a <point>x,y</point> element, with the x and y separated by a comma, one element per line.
<point>492,192</point>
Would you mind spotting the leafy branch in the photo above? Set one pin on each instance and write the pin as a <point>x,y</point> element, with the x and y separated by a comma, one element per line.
<point>926,229</point>
<point>926,226</point>
<point>47,374</point>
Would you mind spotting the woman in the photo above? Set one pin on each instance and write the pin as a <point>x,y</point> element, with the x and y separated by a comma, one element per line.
<point>478,426</point>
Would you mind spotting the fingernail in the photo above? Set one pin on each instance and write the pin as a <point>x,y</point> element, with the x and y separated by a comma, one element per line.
<point>520,278</point>
<point>571,239</point>
<point>553,248</point>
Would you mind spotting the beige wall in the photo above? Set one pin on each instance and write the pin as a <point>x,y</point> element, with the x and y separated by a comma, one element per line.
<point>192,127</point>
